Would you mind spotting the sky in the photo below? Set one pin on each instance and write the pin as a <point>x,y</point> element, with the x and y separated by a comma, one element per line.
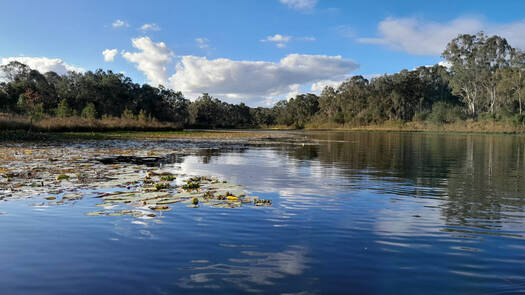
<point>251,51</point>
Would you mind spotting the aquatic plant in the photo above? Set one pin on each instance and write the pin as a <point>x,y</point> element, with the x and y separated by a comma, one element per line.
<point>167,177</point>
<point>262,202</point>
<point>62,177</point>
<point>161,186</point>
<point>191,185</point>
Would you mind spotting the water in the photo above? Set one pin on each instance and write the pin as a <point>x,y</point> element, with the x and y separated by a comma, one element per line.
<point>353,213</point>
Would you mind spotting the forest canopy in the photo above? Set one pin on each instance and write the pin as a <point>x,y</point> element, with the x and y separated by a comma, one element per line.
<point>484,78</point>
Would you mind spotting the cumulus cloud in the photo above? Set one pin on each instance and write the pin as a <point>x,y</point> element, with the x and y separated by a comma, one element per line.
<point>303,5</point>
<point>256,79</point>
<point>152,59</point>
<point>202,43</point>
<point>418,37</point>
<point>255,82</point>
<point>149,27</point>
<point>119,23</point>
<point>320,85</point>
<point>44,64</point>
<point>109,54</point>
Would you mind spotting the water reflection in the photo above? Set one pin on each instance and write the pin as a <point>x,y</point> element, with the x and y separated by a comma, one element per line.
<point>365,213</point>
<point>477,179</point>
<point>249,272</point>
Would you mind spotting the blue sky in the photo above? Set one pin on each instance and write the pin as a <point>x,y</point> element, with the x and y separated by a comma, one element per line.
<point>256,51</point>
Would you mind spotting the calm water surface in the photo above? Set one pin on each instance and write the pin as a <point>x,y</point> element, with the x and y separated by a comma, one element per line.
<point>354,213</point>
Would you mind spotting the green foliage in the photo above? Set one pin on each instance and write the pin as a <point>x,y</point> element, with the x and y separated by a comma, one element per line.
<point>518,119</point>
<point>190,185</point>
<point>167,178</point>
<point>30,105</point>
<point>339,118</point>
<point>89,112</point>
<point>443,112</point>
<point>128,114</point>
<point>161,186</point>
<point>421,116</point>
<point>143,117</point>
<point>63,110</point>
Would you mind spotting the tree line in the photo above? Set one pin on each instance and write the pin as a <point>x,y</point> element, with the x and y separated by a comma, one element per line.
<point>484,78</point>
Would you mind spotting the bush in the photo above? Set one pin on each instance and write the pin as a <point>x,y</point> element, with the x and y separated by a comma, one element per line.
<point>63,110</point>
<point>127,114</point>
<point>443,113</point>
<point>89,112</point>
<point>518,119</point>
<point>339,118</point>
<point>369,115</point>
<point>421,116</point>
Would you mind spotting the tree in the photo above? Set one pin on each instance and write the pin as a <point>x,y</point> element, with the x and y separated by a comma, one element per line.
<point>511,80</point>
<point>475,59</point>
<point>29,104</point>
<point>127,114</point>
<point>63,109</point>
<point>89,112</point>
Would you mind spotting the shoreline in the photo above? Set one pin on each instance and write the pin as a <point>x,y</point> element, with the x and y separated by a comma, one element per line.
<point>247,134</point>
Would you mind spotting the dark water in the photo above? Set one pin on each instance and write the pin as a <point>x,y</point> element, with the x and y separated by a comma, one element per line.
<point>354,213</point>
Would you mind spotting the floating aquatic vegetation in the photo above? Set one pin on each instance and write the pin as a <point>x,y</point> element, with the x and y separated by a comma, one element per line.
<point>262,202</point>
<point>62,175</point>
<point>191,185</point>
<point>161,186</point>
<point>167,178</point>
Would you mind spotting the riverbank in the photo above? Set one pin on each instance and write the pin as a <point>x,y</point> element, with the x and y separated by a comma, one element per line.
<point>22,135</point>
<point>156,132</point>
<point>468,126</point>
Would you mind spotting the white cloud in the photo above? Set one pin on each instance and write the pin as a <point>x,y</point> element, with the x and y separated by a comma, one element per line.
<point>109,54</point>
<point>418,37</point>
<point>320,85</point>
<point>119,23</point>
<point>44,64</point>
<point>149,27</point>
<point>202,43</point>
<point>255,80</point>
<point>277,38</point>
<point>152,59</point>
<point>303,5</point>
<point>306,38</point>
<point>281,40</point>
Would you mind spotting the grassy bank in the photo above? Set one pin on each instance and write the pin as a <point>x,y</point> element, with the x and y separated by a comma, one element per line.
<point>78,124</point>
<point>467,126</point>
<point>21,135</point>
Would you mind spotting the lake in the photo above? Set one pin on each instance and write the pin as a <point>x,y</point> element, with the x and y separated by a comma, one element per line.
<point>352,213</point>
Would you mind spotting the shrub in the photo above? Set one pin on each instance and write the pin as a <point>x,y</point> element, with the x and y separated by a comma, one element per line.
<point>443,112</point>
<point>339,118</point>
<point>518,119</point>
<point>89,112</point>
<point>127,114</point>
<point>421,116</point>
<point>63,110</point>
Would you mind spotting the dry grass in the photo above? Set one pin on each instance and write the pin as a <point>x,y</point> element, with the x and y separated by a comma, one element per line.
<point>77,124</point>
<point>481,126</point>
